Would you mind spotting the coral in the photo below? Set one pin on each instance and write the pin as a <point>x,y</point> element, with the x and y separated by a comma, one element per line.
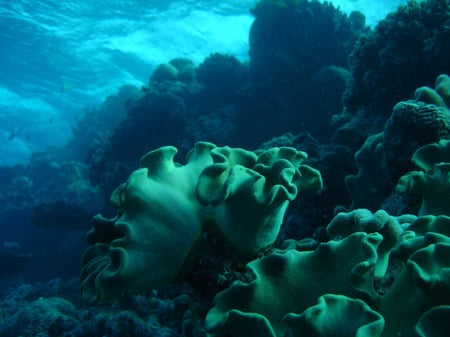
<point>164,208</point>
<point>412,124</point>
<point>317,209</point>
<point>286,282</point>
<point>217,126</point>
<point>16,189</point>
<point>369,187</point>
<point>49,172</point>
<point>343,274</point>
<point>99,122</point>
<point>164,72</point>
<point>432,182</point>
<point>53,315</point>
<point>302,140</point>
<point>386,156</point>
<point>221,75</point>
<point>156,118</point>
<point>439,96</point>
<point>186,69</point>
<point>298,66</point>
<point>434,322</point>
<point>362,220</point>
<point>54,309</point>
<point>405,50</point>
<point>178,69</point>
<point>312,211</point>
<point>335,316</point>
<point>416,123</point>
<point>294,39</point>
<point>121,322</point>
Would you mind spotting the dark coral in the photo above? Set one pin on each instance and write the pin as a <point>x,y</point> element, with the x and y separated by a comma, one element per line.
<point>407,49</point>
<point>411,125</point>
<point>155,119</point>
<point>298,61</point>
<point>222,75</point>
<point>173,102</point>
<point>53,309</point>
<point>99,122</point>
<point>291,40</point>
<point>174,108</point>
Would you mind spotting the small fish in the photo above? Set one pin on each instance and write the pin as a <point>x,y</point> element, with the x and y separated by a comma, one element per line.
<point>68,86</point>
<point>16,132</point>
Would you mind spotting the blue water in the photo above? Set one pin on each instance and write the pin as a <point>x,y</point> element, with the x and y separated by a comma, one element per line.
<point>59,58</point>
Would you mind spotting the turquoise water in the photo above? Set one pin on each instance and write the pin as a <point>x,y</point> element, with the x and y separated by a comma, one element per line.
<point>60,58</point>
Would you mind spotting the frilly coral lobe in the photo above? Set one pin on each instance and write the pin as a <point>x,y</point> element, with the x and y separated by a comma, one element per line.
<point>164,207</point>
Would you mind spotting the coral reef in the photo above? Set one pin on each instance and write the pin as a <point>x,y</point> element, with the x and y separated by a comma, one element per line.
<point>178,69</point>
<point>52,309</point>
<point>298,66</point>
<point>411,125</point>
<point>222,75</point>
<point>154,119</point>
<point>284,40</point>
<point>231,224</point>
<point>278,91</point>
<point>53,314</point>
<point>404,51</point>
<point>416,123</point>
<point>367,248</point>
<point>386,156</point>
<point>376,260</point>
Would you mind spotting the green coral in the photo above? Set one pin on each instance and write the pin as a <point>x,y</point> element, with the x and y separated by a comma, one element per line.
<point>335,316</point>
<point>368,187</point>
<point>281,298</point>
<point>434,322</point>
<point>386,156</point>
<point>291,281</point>
<point>164,207</point>
<point>439,96</point>
<point>432,183</point>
